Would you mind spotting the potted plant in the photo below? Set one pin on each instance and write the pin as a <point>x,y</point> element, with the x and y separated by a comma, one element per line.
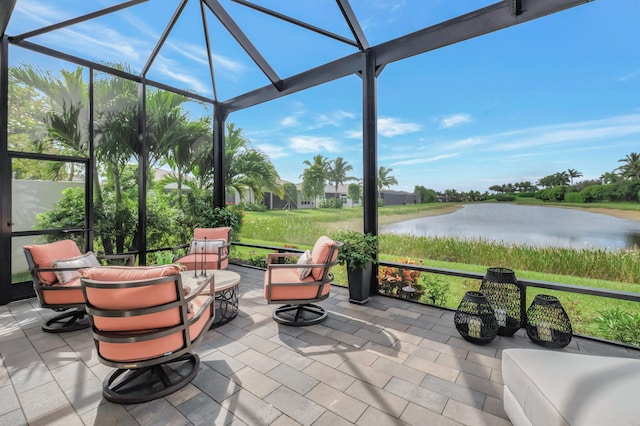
<point>358,254</point>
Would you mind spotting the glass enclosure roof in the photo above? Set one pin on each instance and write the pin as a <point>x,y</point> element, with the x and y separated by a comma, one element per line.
<point>290,37</point>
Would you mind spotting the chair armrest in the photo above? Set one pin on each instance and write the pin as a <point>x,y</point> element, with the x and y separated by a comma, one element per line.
<point>279,256</point>
<point>223,248</point>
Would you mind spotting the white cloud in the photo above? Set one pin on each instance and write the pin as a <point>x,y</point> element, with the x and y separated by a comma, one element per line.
<point>389,127</point>
<point>630,76</point>
<point>563,134</point>
<point>289,121</point>
<point>171,69</point>
<point>455,120</point>
<point>334,118</point>
<point>274,152</point>
<point>424,160</point>
<point>314,144</point>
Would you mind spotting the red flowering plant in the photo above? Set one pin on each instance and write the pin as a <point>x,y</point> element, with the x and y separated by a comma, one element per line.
<point>400,282</point>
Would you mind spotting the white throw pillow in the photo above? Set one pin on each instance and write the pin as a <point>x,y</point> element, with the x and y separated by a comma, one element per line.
<point>87,260</point>
<point>210,246</point>
<point>304,259</point>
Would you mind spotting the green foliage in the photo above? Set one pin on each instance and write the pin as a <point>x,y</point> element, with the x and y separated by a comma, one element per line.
<point>555,193</point>
<point>594,193</point>
<point>164,257</point>
<point>426,195</point>
<point>574,197</point>
<point>434,289</point>
<point>331,203</point>
<point>358,249</point>
<point>290,193</point>
<point>354,192</point>
<point>619,325</point>
<point>217,217</point>
<point>253,207</point>
<point>505,197</point>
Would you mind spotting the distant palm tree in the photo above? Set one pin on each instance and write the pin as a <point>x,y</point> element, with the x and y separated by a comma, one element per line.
<point>384,180</point>
<point>573,173</point>
<point>314,176</point>
<point>609,177</point>
<point>631,167</point>
<point>337,173</point>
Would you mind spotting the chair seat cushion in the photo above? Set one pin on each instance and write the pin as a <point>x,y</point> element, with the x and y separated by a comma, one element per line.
<point>561,388</point>
<point>194,261</point>
<point>291,291</point>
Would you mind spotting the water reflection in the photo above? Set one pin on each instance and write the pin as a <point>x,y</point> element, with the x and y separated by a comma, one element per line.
<point>528,225</point>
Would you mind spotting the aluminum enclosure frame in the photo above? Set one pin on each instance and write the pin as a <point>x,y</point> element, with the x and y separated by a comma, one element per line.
<point>367,61</point>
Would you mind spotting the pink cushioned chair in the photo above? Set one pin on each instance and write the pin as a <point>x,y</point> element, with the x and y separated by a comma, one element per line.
<point>145,325</point>
<point>214,241</point>
<point>58,288</point>
<point>283,283</point>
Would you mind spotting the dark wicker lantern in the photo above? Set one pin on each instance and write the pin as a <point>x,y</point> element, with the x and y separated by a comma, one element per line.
<point>548,323</point>
<point>507,297</point>
<point>475,320</point>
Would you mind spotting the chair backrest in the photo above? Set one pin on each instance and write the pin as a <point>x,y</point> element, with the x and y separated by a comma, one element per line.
<point>221,233</point>
<point>139,314</point>
<point>43,256</point>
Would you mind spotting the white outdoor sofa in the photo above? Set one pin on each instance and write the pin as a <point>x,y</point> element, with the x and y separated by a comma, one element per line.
<point>546,388</point>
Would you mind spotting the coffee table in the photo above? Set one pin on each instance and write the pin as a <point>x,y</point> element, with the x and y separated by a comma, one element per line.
<point>225,287</point>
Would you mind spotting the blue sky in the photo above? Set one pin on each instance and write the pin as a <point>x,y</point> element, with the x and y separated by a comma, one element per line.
<point>542,97</point>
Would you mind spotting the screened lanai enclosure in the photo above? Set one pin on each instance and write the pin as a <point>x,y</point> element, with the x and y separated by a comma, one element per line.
<point>98,142</point>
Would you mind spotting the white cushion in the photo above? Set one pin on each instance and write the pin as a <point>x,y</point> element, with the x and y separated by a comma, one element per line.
<point>304,259</point>
<point>87,260</point>
<point>210,246</point>
<point>562,388</point>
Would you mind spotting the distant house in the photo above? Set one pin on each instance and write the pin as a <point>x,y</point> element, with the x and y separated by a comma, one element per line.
<point>329,192</point>
<point>398,198</point>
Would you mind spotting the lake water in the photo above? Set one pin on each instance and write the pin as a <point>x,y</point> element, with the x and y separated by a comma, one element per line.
<point>526,225</point>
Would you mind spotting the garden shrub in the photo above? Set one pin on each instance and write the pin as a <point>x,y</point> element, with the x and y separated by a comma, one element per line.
<point>435,290</point>
<point>331,203</point>
<point>505,197</point>
<point>574,197</point>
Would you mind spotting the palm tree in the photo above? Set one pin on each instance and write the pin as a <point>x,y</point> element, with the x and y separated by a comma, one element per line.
<point>573,173</point>
<point>384,180</point>
<point>248,168</point>
<point>337,173</point>
<point>631,167</point>
<point>314,176</point>
<point>609,177</point>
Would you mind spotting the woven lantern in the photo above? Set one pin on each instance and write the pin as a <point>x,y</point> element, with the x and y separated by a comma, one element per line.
<point>507,298</point>
<point>475,320</point>
<point>548,323</point>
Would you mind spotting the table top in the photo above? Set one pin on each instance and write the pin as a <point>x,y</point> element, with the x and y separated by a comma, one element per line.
<point>222,279</point>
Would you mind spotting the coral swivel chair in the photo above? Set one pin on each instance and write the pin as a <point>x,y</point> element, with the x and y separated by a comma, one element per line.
<point>302,284</point>
<point>208,249</point>
<point>54,269</point>
<point>145,325</point>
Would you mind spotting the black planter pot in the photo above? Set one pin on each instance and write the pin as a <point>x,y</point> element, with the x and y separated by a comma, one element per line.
<point>359,284</point>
